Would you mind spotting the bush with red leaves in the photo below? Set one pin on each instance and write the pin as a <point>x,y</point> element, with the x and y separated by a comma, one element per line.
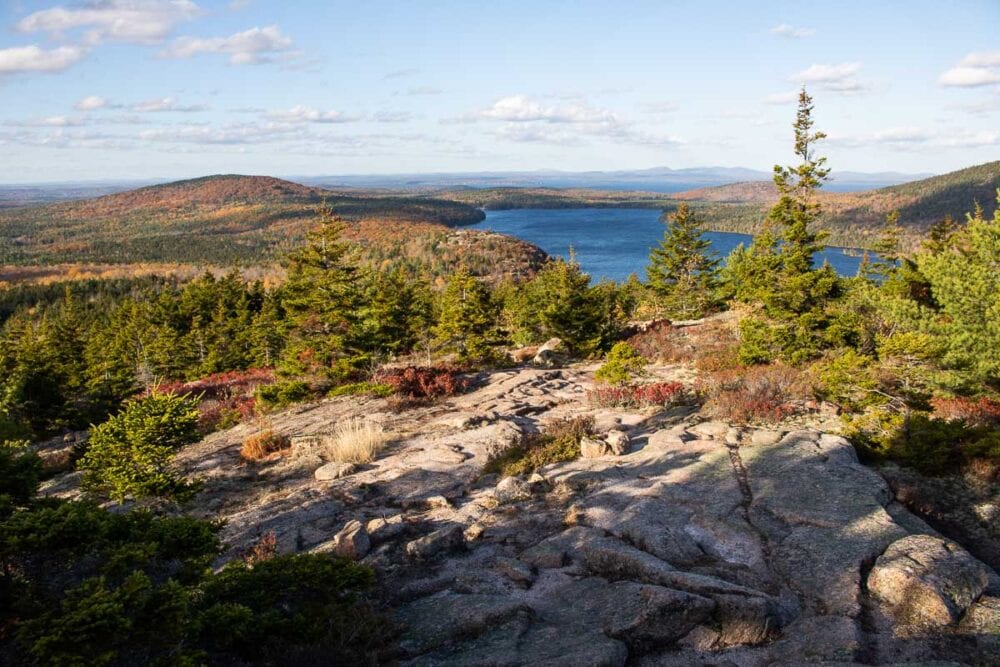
<point>753,394</point>
<point>416,382</point>
<point>973,412</point>
<point>638,395</point>
<point>226,398</point>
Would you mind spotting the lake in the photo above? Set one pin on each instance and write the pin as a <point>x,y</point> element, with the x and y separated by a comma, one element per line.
<point>615,242</point>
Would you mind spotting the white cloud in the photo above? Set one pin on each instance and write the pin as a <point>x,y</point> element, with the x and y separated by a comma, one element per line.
<point>91,103</point>
<point>528,120</point>
<point>975,69</point>
<point>519,108</point>
<point>240,133</point>
<point>782,98</point>
<point>914,138</point>
<point>303,114</point>
<point>786,30</point>
<point>49,121</point>
<point>34,59</point>
<point>841,78</point>
<point>165,104</point>
<point>135,21</point>
<point>250,47</point>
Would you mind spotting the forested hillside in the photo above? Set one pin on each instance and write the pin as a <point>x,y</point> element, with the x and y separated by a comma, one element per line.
<point>214,220</point>
<point>854,219</point>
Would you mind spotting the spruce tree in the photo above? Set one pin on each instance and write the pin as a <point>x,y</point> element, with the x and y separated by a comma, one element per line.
<point>793,293</point>
<point>682,272</point>
<point>321,300</point>
<point>467,319</point>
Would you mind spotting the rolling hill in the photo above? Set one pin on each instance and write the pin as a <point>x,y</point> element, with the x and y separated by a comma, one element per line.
<point>853,219</point>
<point>249,220</point>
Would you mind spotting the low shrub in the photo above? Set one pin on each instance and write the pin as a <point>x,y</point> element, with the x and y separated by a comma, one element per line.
<point>375,389</point>
<point>974,412</point>
<point>418,382</point>
<point>659,342</point>
<point>638,396</point>
<point>560,441</point>
<point>622,366</point>
<point>355,440</point>
<point>758,394</point>
<point>263,445</point>
<point>282,394</point>
<point>130,454</point>
<point>224,399</point>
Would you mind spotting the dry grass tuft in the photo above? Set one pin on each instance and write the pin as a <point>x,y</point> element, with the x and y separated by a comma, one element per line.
<point>263,445</point>
<point>355,440</point>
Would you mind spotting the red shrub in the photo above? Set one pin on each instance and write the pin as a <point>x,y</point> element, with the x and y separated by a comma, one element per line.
<point>226,398</point>
<point>753,394</point>
<point>423,381</point>
<point>637,396</point>
<point>981,412</point>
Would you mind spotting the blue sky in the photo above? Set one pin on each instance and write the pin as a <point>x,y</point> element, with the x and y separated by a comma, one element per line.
<point>112,89</point>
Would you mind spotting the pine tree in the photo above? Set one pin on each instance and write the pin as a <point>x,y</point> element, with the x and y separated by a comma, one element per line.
<point>321,299</point>
<point>682,272</point>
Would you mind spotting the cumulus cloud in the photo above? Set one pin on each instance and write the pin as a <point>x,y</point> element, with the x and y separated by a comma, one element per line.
<point>975,69</point>
<point>91,103</point>
<point>520,109</point>
<point>790,31</point>
<point>165,104</point>
<point>841,78</point>
<point>35,59</point>
<point>526,120</point>
<point>303,114</point>
<point>250,47</point>
<point>135,21</point>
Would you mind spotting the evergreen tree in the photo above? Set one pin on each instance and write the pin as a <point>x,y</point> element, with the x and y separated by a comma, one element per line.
<point>682,272</point>
<point>559,302</point>
<point>793,293</point>
<point>467,319</point>
<point>321,300</point>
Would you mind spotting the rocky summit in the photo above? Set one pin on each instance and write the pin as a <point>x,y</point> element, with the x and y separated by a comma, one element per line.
<point>680,541</point>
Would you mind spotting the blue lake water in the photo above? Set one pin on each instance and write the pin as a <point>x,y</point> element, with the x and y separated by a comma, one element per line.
<point>615,242</point>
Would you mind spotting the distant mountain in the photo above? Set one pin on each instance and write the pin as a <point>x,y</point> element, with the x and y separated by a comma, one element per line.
<point>232,219</point>
<point>749,191</point>
<point>658,179</point>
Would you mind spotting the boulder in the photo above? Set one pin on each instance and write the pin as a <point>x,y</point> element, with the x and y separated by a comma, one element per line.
<point>512,490</point>
<point>334,470</point>
<point>925,580</point>
<point>434,544</point>
<point>434,621</point>
<point>383,529</point>
<point>618,442</point>
<point>352,541</point>
<point>640,615</point>
<point>551,354</point>
<point>593,448</point>
<point>710,429</point>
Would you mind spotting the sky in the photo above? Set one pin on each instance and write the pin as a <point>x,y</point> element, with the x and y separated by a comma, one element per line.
<point>142,89</point>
